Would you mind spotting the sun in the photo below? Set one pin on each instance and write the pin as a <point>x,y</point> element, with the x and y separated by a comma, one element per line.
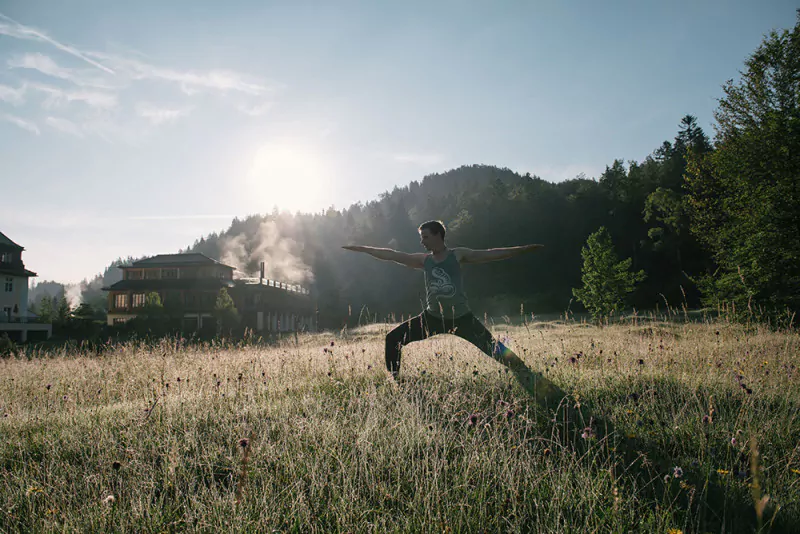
<point>290,176</point>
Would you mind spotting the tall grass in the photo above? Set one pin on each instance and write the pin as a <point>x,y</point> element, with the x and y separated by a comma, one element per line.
<point>311,436</point>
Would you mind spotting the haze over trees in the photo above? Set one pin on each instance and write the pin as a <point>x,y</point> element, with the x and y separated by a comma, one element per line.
<point>709,223</point>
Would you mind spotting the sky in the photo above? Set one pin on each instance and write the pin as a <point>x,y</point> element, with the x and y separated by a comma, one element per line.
<point>134,128</point>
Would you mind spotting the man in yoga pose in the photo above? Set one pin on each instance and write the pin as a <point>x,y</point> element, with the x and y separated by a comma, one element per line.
<point>447,310</point>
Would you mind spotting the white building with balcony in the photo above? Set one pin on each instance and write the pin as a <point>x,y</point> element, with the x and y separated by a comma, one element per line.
<point>15,320</point>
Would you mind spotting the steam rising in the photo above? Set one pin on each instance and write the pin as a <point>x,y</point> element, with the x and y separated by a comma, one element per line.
<point>280,255</point>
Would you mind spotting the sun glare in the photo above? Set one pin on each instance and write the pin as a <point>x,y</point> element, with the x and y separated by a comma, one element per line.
<point>288,176</point>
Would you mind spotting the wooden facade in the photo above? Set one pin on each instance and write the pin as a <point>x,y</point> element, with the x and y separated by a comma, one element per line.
<point>190,284</point>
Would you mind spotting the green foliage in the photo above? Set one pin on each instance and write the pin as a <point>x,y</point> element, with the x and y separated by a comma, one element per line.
<point>225,312</point>
<point>745,195</point>
<point>45,311</point>
<point>61,313</point>
<point>606,280</point>
<point>152,301</point>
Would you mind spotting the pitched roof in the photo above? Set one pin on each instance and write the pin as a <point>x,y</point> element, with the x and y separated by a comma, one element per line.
<point>6,241</point>
<point>174,260</point>
<point>17,271</point>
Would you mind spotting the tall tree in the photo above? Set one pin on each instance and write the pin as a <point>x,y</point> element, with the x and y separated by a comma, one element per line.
<point>745,195</point>
<point>606,280</point>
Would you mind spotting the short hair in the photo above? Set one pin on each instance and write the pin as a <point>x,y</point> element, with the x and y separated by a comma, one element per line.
<point>435,227</point>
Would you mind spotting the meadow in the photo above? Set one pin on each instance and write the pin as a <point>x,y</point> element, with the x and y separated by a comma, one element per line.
<point>309,434</point>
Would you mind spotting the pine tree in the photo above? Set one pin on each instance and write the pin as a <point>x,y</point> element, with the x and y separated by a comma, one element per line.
<point>606,280</point>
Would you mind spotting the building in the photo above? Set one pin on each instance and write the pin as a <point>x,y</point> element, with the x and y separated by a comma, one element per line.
<point>15,320</point>
<point>188,284</point>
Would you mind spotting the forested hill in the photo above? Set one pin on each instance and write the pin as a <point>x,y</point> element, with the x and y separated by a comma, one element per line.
<point>485,206</point>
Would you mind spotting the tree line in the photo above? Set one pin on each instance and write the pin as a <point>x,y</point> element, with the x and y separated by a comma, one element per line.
<point>697,223</point>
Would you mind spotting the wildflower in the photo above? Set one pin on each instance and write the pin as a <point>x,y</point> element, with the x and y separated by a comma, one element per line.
<point>588,433</point>
<point>48,386</point>
<point>64,398</point>
<point>723,472</point>
<point>178,380</point>
<point>573,360</point>
<point>116,465</point>
<point>547,452</point>
<point>473,419</point>
<point>331,343</point>
<point>677,472</point>
<point>674,531</point>
<point>706,420</point>
<point>641,361</point>
<point>796,471</point>
<point>733,441</point>
<point>109,500</point>
<point>244,443</point>
<point>509,414</point>
<point>369,367</point>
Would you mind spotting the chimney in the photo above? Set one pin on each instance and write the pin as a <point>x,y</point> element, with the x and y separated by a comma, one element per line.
<point>261,280</point>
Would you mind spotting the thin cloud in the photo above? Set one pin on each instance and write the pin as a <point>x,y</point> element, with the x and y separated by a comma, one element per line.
<point>22,123</point>
<point>48,66</point>
<point>13,96</point>
<point>158,115</point>
<point>12,28</point>
<point>257,110</point>
<point>57,97</point>
<point>190,82</point>
<point>424,160</point>
<point>64,125</point>
<point>41,63</point>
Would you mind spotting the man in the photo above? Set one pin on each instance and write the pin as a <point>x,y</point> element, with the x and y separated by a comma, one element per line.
<point>447,309</point>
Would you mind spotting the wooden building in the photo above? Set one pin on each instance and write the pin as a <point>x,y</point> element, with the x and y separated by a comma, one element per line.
<point>190,283</point>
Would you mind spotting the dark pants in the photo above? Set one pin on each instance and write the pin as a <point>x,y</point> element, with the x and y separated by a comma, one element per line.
<point>426,325</point>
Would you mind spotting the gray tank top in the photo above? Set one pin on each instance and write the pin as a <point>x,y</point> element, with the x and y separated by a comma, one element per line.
<point>444,287</point>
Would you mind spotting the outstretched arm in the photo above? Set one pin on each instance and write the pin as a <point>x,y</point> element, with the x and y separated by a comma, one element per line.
<point>467,255</point>
<point>415,261</point>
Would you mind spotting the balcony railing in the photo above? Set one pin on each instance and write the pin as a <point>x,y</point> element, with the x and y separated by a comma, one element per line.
<point>4,319</point>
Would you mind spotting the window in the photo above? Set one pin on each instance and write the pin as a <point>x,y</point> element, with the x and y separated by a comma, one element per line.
<point>121,301</point>
<point>6,257</point>
<point>7,313</point>
<point>118,321</point>
<point>9,285</point>
<point>134,275</point>
<point>169,273</point>
<point>138,300</point>
<point>151,274</point>
<point>190,299</point>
